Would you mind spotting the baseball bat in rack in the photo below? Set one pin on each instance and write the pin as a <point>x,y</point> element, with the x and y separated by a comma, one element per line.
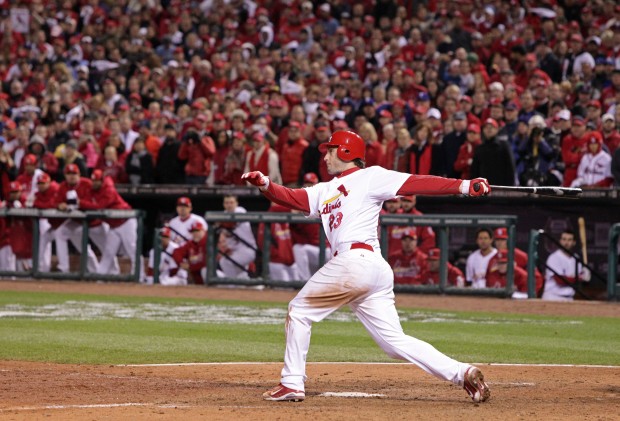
<point>566,192</point>
<point>582,238</point>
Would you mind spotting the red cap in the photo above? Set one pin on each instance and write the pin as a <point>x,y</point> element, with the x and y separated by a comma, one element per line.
<point>197,105</point>
<point>218,117</point>
<point>197,226</point>
<point>258,136</point>
<point>165,232</point>
<point>72,169</point>
<point>135,96</point>
<point>30,159</point>
<point>473,128</point>
<point>595,138</point>
<point>578,121</point>
<point>311,178</point>
<point>492,122</point>
<point>408,72</point>
<point>15,186</point>
<point>530,57</point>
<point>184,201</point>
<point>502,255</point>
<point>409,198</point>
<point>256,102</point>
<point>466,98</point>
<point>97,175</point>
<point>576,37</point>
<point>433,254</point>
<point>294,124</point>
<point>409,232</point>
<point>322,129</point>
<point>500,233</point>
<point>594,103</point>
<point>398,103</point>
<point>496,101</point>
<point>386,113</point>
<point>44,178</point>
<point>201,117</point>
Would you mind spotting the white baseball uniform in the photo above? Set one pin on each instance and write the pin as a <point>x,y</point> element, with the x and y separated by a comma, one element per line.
<point>239,251</point>
<point>169,272</point>
<point>593,169</point>
<point>180,228</point>
<point>476,268</point>
<point>357,275</point>
<point>565,266</point>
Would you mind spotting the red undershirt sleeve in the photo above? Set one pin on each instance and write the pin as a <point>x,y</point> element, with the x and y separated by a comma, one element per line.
<point>430,185</point>
<point>291,198</point>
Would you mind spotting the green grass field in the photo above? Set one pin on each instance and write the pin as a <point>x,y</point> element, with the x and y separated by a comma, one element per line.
<point>89,329</point>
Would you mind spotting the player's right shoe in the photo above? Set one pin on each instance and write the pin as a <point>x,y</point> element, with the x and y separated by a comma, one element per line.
<point>283,393</point>
<point>475,385</point>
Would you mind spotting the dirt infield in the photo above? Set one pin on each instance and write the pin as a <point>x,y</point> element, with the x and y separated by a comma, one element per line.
<point>33,391</point>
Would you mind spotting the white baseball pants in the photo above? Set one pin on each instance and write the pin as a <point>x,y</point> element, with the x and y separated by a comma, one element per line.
<point>123,238</point>
<point>307,259</point>
<point>282,272</point>
<point>363,280</point>
<point>71,230</point>
<point>46,236</point>
<point>242,255</point>
<point>7,259</point>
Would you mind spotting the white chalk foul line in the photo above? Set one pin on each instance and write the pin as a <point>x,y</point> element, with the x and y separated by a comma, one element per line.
<point>360,363</point>
<point>99,405</point>
<point>351,395</point>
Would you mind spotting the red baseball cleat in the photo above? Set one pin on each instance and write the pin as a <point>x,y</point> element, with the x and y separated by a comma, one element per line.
<point>475,386</point>
<point>283,393</point>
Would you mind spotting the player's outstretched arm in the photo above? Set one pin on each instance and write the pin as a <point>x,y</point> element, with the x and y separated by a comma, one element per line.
<point>433,185</point>
<point>291,198</point>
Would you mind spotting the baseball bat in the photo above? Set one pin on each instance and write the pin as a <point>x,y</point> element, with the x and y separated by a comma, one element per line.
<point>565,192</point>
<point>582,238</point>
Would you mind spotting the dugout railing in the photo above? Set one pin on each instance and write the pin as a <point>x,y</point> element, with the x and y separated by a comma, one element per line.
<point>441,224</point>
<point>612,266</point>
<point>85,217</point>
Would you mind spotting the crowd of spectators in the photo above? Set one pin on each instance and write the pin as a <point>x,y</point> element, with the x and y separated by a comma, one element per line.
<point>170,91</point>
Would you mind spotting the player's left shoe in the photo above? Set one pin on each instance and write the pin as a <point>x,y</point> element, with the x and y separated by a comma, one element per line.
<point>283,393</point>
<point>475,385</point>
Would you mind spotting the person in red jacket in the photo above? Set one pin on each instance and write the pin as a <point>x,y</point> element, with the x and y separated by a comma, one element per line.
<point>431,275</point>
<point>466,151</point>
<point>192,255</point>
<point>28,176</point>
<point>70,191</point>
<point>45,198</point>
<point>198,152</point>
<point>123,233</point>
<point>496,276</point>
<point>409,262</point>
<point>573,148</point>
<point>282,261</point>
<point>20,229</point>
<point>426,235</point>
<point>262,158</point>
<point>292,152</point>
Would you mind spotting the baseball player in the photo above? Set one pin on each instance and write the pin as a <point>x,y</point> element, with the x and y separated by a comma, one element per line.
<point>306,240</point>
<point>45,198</point>
<point>180,225</point>
<point>123,233</point>
<point>431,275</point>
<point>7,258</point>
<point>282,261</point>
<point>169,271</point>
<point>409,262</point>
<point>426,235</point>
<point>496,275</point>
<point>20,229</point>
<point>68,196</point>
<point>478,261</point>
<point>192,256</point>
<point>563,271</point>
<point>594,168</point>
<point>239,243</point>
<point>357,274</point>
<point>28,179</point>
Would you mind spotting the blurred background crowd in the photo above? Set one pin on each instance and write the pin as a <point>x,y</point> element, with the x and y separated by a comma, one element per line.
<point>159,91</point>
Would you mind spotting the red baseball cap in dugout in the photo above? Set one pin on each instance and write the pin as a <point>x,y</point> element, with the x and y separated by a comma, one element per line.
<point>197,226</point>
<point>311,178</point>
<point>500,233</point>
<point>409,232</point>
<point>97,175</point>
<point>164,232</point>
<point>44,178</point>
<point>72,169</point>
<point>409,198</point>
<point>473,127</point>
<point>184,201</point>
<point>502,255</point>
<point>15,186</point>
<point>433,254</point>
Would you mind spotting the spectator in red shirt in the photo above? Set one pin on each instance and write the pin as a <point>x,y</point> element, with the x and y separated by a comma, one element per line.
<point>466,153</point>
<point>198,152</point>
<point>611,137</point>
<point>573,148</point>
<point>291,157</point>
<point>234,162</point>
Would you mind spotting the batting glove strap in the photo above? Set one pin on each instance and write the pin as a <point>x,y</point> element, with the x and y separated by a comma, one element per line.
<point>465,187</point>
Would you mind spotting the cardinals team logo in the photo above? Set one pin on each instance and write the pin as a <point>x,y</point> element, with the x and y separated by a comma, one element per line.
<point>334,202</point>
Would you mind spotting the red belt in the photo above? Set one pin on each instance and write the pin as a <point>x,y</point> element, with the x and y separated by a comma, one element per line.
<point>359,246</point>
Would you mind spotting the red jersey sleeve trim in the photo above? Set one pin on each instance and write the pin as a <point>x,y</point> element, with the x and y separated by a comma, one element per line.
<point>290,198</point>
<point>430,185</point>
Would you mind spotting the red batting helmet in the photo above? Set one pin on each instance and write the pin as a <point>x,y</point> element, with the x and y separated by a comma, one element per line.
<point>350,145</point>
